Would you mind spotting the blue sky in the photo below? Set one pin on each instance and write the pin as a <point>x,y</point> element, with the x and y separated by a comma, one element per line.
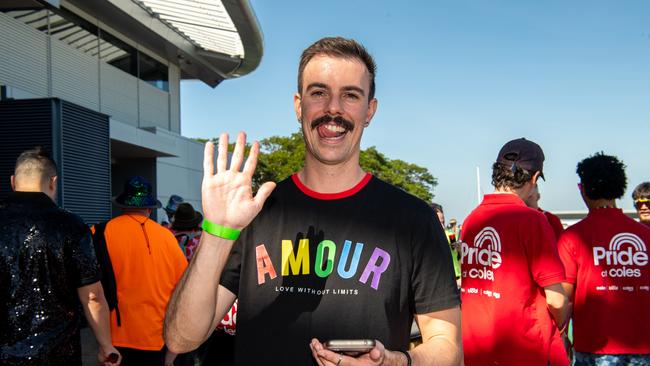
<point>457,79</point>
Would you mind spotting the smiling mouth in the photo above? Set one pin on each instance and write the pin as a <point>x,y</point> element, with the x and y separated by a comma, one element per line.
<point>331,130</point>
<point>329,127</point>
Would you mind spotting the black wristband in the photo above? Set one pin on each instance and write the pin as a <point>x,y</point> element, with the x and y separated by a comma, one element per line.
<point>408,356</point>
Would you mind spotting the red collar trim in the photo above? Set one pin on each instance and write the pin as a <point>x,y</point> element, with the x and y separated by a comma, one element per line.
<point>331,196</point>
<point>503,198</point>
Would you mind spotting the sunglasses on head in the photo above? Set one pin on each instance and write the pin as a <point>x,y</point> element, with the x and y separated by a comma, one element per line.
<point>640,202</point>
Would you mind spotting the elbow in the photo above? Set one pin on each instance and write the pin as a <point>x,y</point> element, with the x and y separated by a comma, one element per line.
<point>557,302</point>
<point>176,347</point>
<point>176,344</point>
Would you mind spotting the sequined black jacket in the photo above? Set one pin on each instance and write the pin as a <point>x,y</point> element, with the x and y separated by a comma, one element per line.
<point>46,253</point>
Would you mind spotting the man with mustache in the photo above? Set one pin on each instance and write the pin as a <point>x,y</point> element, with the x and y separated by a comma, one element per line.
<point>330,253</point>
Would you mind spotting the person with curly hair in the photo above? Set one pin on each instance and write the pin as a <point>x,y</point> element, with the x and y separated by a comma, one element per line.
<point>608,276</point>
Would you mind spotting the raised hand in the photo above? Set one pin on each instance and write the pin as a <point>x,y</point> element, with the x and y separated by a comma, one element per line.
<point>227,196</point>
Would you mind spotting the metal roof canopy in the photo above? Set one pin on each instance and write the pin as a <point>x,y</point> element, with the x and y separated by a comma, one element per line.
<point>210,40</point>
<point>205,23</point>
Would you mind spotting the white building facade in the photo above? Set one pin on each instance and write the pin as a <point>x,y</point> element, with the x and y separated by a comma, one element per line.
<point>122,61</point>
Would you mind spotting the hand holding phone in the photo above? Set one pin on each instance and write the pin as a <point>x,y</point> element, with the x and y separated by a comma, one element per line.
<point>350,346</point>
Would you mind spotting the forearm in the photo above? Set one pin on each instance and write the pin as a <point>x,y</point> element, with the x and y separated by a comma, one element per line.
<point>442,342</point>
<point>557,303</point>
<point>437,351</point>
<point>98,316</point>
<point>191,311</point>
<point>560,315</point>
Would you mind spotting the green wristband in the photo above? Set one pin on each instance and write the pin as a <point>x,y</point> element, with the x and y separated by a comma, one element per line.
<point>220,231</point>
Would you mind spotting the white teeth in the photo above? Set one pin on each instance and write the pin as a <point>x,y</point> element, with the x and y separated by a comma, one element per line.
<point>335,128</point>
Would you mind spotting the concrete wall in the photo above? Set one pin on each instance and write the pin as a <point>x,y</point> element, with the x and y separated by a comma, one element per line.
<point>24,60</point>
<point>181,175</point>
<point>32,65</point>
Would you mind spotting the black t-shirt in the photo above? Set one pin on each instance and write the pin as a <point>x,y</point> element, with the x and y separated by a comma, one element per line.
<point>352,265</point>
<point>46,253</point>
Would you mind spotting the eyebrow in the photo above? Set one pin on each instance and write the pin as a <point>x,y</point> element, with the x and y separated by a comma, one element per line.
<point>345,88</point>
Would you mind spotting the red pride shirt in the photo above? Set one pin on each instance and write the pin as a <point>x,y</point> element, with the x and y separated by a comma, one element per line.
<point>606,258</point>
<point>556,223</point>
<point>509,254</point>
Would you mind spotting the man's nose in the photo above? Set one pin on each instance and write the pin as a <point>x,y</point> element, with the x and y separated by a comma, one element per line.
<point>334,106</point>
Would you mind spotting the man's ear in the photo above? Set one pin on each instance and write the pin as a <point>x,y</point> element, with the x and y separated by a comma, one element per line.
<point>13,183</point>
<point>53,182</point>
<point>297,99</point>
<point>372,108</point>
<point>535,178</point>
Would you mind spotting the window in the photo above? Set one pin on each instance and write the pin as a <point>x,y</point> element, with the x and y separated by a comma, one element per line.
<point>153,72</point>
<point>119,54</point>
<point>86,37</point>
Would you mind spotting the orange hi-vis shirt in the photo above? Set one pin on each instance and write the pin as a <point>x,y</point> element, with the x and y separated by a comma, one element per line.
<point>148,263</point>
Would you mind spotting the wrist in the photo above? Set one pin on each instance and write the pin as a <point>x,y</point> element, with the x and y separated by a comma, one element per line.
<point>220,231</point>
<point>404,358</point>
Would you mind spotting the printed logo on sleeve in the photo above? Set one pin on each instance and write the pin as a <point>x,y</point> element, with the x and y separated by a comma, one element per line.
<point>485,254</point>
<point>625,252</point>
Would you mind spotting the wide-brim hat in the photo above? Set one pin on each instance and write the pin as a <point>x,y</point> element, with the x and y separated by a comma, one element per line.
<point>186,218</point>
<point>172,204</point>
<point>137,193</point>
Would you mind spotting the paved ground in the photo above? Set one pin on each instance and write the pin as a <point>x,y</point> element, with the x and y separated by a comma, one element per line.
<point>88,348</point>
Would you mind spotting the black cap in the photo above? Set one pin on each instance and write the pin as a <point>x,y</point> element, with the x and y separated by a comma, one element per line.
<point>524,154</point>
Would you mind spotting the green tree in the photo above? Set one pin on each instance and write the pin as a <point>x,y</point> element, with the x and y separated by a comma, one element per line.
<point>281,156</point>
<point>412,178</point>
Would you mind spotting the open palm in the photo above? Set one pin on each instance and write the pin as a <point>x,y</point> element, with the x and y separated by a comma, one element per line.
<point>227,195</point>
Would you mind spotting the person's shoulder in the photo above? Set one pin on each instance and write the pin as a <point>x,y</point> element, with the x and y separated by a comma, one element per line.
<point>284,188</point>
<point>576,233</point>
<point>159,229</point>
<point>527,214</point>
<point>636,227</point>
<point>284,185</point>
<point>70,218</point>
<point>395,196</point>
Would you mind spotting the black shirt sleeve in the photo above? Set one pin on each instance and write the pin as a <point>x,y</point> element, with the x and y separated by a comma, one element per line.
<point>433,280</point>
<point>83,260</point>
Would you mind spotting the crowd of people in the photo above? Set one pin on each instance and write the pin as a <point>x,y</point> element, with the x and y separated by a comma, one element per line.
<point>330,253</point>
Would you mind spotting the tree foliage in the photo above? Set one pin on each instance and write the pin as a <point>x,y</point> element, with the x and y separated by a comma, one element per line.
<point>412,178</point>
<point>281,156</point>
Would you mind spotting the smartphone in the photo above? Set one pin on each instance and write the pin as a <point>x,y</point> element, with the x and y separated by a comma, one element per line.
<point>354,346</point>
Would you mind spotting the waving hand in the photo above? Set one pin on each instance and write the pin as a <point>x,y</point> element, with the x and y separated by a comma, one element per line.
<point>228,195</point>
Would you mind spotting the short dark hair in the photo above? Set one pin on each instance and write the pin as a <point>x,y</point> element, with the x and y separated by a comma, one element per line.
<point>338,47</point>
<point>436,207</point>
<point>641,191</point>
<point>602,176</point>
<point>512,176</point>
<point>35,162</point>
